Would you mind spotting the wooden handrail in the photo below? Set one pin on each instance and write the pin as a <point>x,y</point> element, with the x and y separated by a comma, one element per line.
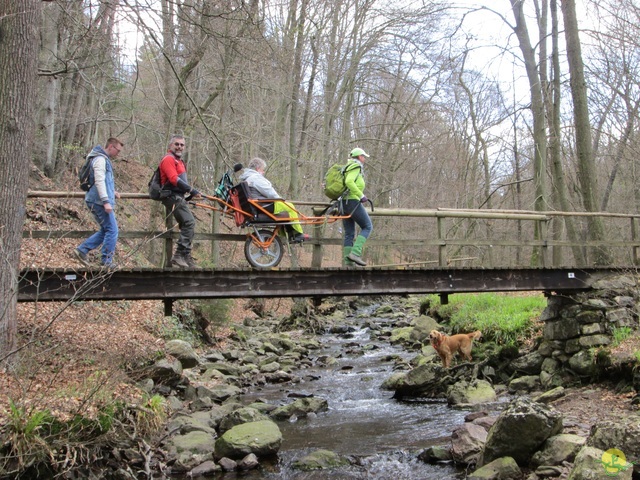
<point>440,240</point>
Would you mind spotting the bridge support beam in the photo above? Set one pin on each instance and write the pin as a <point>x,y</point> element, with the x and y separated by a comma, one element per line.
<point>169,285</point>
<point>168,307</point>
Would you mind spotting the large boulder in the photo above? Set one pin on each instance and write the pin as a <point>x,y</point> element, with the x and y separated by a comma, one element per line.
<point>527,383</point>
<point>504,468</point>
<point>195,422</point>
<point>424,380</point>
<point>471,393</point>
<point>184,352</point>
<point>261,438</point>
<point>422,326</point>
<point>218,393</point>
<point>520,431</point>
<point>240,416</point>
<point>467,441</point>
<point>558,449</point>
<point>300,407</point>
<point>320,460</point>
<point>529,364</point>
<point>166,372</point>
<point>191,450</point>
<point>583,363</point>
<point>589,466</point>
<point>623,434</point>
<point>402,335</point>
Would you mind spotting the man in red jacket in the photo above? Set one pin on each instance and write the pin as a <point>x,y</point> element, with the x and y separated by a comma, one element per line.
<point>173,177</point>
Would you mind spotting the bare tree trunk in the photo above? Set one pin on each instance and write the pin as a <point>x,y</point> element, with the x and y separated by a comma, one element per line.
<point>309,95</point>
<point>559,186</point>
<point>19,21</point>
<point>168,47</point>
<point>480,155</point>
<point>294,183</point>
<point>49,61</point>
<point>330,105</point>
<point>75,101</point>
<point>537,110</point>
<point>632,111</point>
<point>586,163</point>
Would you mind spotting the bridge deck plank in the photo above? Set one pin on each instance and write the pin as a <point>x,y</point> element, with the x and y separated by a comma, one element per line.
<point>171,284</point>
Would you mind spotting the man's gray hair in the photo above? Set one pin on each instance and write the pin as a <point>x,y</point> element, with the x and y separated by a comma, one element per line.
<point>257,163</point>
<point>174,138</point>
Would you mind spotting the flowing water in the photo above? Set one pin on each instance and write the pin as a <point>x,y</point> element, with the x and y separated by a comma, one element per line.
<point>384,435</point>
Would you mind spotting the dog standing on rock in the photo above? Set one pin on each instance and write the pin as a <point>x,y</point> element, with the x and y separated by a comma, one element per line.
<point>448,345</point>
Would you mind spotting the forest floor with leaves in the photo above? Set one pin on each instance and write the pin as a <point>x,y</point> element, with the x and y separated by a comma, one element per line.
<point>75,357</point>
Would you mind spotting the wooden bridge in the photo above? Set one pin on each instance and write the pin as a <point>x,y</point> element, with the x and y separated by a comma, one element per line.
<point>170,284</point>
<point>452,269</point>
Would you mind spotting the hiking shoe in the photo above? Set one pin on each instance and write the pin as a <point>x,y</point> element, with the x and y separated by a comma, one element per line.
<point>179,261</point>
<point>81,257</point>
<point>190,261</point>
<point>299,238</point>
<point>356,259</point>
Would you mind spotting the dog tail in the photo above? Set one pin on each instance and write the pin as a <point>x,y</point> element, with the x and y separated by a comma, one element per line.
<point>476,334</point>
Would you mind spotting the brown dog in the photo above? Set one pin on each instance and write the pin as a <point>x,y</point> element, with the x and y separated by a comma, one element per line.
<point>447,346</point>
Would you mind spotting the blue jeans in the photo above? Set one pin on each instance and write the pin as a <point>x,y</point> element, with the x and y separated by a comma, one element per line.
<point>107,236</point>
<point>360,217</point>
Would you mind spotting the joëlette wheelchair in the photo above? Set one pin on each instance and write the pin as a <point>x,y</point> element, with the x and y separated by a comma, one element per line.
<point>265,243</point>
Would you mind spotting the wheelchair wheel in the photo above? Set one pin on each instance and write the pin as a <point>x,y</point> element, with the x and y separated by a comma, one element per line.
<point>260,256</point>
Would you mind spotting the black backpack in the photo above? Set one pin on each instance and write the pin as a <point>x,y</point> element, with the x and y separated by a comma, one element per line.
<point>156,192</point>
<point>85,175</point>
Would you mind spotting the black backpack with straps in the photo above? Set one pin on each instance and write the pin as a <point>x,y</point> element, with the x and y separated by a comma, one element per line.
<point>156,192</point>
<point>85,175</point>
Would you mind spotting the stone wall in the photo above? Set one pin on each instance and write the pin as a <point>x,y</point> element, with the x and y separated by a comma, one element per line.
<point>579,329</point>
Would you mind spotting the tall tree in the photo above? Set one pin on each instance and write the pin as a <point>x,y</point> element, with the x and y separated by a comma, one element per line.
<point>51,83</point>
<point>537,110</point>
<point>19,20</point>
<point>559,185</point>
<point>586,162</point>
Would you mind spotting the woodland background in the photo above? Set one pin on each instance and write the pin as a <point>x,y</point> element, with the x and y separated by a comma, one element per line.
<point>538,113</point>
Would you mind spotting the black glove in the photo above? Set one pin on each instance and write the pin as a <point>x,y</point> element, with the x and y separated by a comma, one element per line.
<point>364,199</point>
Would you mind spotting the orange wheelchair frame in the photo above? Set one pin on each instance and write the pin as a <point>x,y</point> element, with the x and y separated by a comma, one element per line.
<point>264,246</point>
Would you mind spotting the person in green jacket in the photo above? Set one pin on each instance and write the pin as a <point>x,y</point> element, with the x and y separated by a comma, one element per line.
<point>352,203</point>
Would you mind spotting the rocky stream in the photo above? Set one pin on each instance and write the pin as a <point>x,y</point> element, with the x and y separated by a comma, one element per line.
<point>366,397</point>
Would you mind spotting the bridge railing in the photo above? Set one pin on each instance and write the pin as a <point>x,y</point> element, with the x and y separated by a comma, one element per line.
<point>439,237</point>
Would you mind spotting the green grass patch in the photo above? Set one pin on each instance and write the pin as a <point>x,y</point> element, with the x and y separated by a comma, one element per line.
<point>502,318</point>
<point>620,334</point>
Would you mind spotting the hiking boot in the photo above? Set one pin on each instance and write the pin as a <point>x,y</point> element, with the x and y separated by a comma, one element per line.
<point>356,251</point>
<point>81,257</point>
<point>299,238</point>
<point>178,260</point>
<point>357,259</point>
<point>346,251</point>
<point>190,261</point>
